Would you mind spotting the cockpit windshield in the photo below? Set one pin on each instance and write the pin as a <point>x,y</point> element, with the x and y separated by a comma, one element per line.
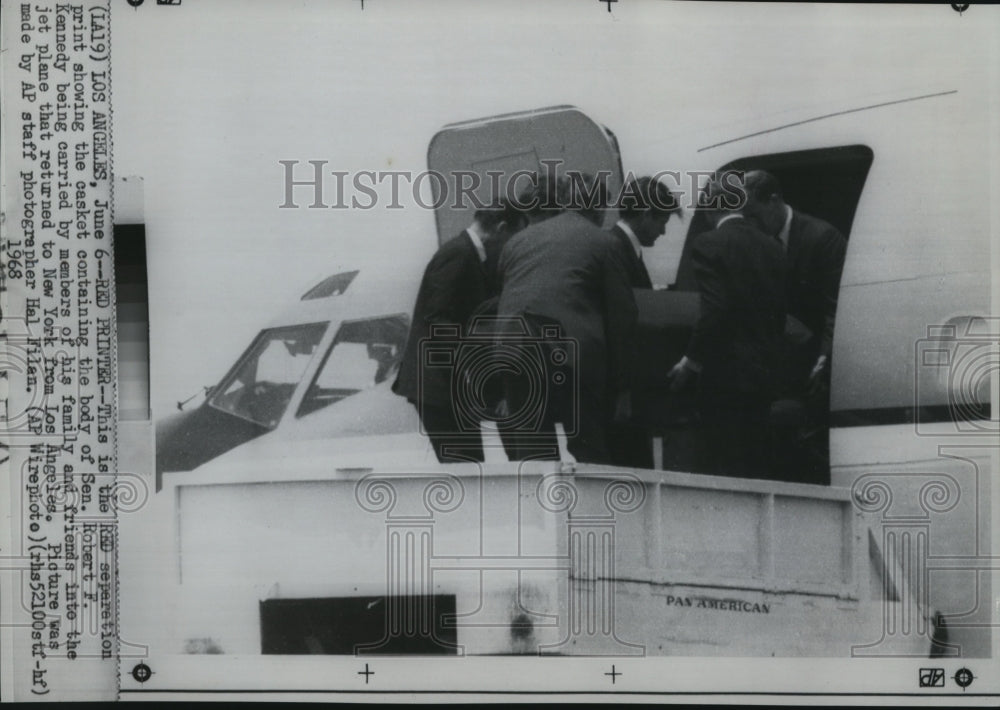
<point>364,353</point>
<point>261,386</point>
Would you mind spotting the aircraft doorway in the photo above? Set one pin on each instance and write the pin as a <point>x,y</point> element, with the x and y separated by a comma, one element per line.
<point>825,184</point>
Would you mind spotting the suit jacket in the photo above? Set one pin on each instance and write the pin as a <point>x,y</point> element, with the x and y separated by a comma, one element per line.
<point>455,283</point>
<point>637,274</point>
<point>738,338</point>
<point>630,444</point>
<point>815,261</point>
<point>568,269</point>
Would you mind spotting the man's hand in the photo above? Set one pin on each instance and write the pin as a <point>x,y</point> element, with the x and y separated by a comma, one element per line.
<point>623,407</point>
<point>502,409</point>
<point>682,374</point>
<point>817,377</point>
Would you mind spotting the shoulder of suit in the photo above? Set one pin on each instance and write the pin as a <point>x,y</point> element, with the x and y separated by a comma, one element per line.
<point>450,244</point>
<point>601,239</point>
<point>710,241</point>
<point>728,231</point>
<point>620,238</point>
<point>574,216</point>
<point>814,226</point>
<point>517,239</point>
<point>746,226</point>
<point>563,224</point>
<point>456,248</point>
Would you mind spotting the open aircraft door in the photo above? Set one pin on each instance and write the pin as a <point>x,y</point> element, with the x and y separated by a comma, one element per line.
<point>488,153</point>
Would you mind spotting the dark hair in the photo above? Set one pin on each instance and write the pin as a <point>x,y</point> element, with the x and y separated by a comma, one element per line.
<point>546,195</point>
<point>589,195</point>
<point>550,194</point>
<point>501,211</point>
<point>762,186</point>
<point>725,190</point>
<point>643,194</point>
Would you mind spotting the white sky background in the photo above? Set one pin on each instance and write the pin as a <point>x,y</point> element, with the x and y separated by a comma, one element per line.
<point>209,96</point>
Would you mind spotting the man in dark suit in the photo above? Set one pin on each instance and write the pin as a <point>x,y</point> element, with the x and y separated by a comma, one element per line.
<point>456,283</point>
<point>567,271</point>
<point>645,206</point>
<point>737,342</point>
<point>815,253</point>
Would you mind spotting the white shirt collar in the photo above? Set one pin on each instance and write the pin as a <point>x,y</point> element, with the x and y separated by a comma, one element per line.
<point>477,241</point>
<point>623,225</point>
<point>786,230</point>
<point>731,215</point>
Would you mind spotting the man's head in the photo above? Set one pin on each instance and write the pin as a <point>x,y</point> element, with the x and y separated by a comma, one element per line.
<point>498,220</point>
<point>724,194</point>
<point>589,195</point>
<point>546,196</point>
<point>765,203</point>
<point>646,206</point>
<point>549,195</point>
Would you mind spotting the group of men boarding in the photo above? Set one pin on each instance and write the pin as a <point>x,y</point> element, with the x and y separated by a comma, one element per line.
<point>758,357</point>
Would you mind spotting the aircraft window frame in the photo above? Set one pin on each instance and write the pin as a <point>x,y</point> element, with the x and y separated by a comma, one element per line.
<point>402,318</point>
<point>827,183</point>
<point>335,285</point>
<point>252,351</point>
<point>857,154</point>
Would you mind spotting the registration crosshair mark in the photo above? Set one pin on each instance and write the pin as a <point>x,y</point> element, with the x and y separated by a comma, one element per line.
<point>366,673</point>
<point>614,674</point>
<point>963,678</point>
<point>141,672</point>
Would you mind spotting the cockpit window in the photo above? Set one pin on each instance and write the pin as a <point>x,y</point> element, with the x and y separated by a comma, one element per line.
<point>364,354</point>
<point>262,384</point>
